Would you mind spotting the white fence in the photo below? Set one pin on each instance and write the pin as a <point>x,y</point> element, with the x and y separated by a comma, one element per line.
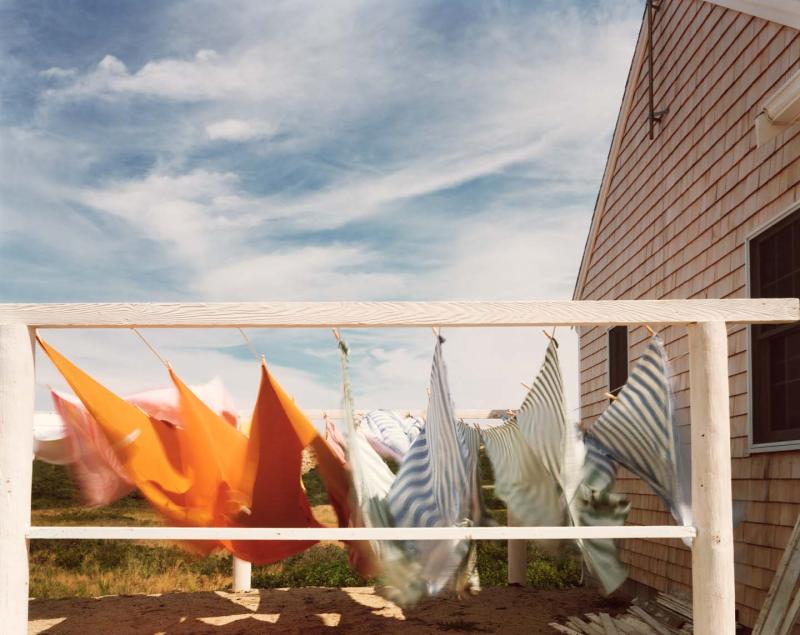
<point>712,550</point>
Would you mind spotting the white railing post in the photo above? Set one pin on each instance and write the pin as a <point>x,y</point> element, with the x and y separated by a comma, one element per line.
<point>713,589</point>
<point>517,556</point>
<point>16,467</point>
<point>242,578</point>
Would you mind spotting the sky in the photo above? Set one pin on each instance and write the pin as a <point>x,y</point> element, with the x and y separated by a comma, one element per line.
<point>345,150</point>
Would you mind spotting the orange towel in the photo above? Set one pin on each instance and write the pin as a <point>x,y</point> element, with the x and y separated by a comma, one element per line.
<point>206,473</point>
<point>146,447</point>
<point>279,431</point>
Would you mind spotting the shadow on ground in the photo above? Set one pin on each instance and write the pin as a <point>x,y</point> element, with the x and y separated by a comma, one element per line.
<point>312,610</point>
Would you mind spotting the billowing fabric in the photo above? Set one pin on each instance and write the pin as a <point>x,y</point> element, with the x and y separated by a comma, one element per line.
<point>206,473</point>
<point>539,463</point>
<point>390,433</point>
<point>50,442</point>
<point>146,448</point>
<point>98,474</point>
<point>434,488</point>
<point>335,440</point>
<point>542,419</point>
<point>597,505</point>
<point>273,463</point>
<point>637,431</point>
<point>372,480</point>
<point>211,452</point>
<point>520,479</point>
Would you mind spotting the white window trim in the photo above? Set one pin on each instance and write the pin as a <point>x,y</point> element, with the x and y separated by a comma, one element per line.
<point>775,446</point>
<point>780,11</point>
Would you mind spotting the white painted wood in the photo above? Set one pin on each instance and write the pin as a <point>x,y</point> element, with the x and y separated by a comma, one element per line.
<point>517,556</point>
<point>399,314</point>
<point>16,458</point>
<point>359,533</point>
<point>714,602</point>
<point>785,12</point>
<point>780,111</point>
<point>474,413</point>
<point>42,417</point>
<point>242,575</point>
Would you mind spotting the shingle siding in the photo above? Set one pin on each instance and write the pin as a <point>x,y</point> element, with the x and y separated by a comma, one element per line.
<point>676,215</point>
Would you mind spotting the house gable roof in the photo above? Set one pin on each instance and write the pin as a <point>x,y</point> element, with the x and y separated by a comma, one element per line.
<point>786,12</point>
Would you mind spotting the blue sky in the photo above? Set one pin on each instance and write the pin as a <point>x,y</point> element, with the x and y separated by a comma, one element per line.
<point>347,150</point>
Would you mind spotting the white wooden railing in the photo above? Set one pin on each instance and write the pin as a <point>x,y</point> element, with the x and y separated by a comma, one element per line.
<point>712,550</point>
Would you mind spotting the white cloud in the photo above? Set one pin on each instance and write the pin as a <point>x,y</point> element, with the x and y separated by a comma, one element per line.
<point>198,212</point>
<point>59,73</point>
<point>334,272</point>
<point>401,111</point>
<point>238,130</point>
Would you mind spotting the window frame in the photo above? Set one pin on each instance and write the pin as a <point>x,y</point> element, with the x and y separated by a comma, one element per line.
<point>769,446</point>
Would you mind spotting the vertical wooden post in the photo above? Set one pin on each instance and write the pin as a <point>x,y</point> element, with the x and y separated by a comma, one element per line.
<point>517,556</point>
<point>16,459</point>
<point>242,577</point>
<point>713,589</point>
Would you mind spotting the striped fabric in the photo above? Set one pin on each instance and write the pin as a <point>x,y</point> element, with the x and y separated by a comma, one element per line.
<point>390,433</point>
<point>520,478</point>
<point>435,488</point>
<point>542,419</point>
<point>597,505</point>
<point>540,466</point>
<point>637,431</point>
<point>372,479</point>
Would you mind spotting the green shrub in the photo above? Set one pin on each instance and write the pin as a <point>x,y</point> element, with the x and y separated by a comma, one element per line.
<point>321,565</point>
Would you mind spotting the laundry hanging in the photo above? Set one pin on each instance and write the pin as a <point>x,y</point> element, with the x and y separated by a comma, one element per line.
<point>272,474</point>
<point>147,448</point>
<point>372,480</point>
<point>203,474</point>
<point>335,440</point>
<point>85,449</point>
<point>390,433</point>
<point>520,479</point>
<point>539,462</point>
<point>435,487</point>
<point>637,431</point>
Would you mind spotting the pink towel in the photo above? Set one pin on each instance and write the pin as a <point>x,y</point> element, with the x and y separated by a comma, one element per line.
<point>98,473</point>
<point>335,440</point>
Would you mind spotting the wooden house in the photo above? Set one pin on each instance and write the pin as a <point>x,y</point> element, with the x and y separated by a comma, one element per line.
<point>700,198</point>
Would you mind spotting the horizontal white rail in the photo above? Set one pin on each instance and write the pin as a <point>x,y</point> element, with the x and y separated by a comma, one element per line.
<point>399,314</point>
<point>360,533</point>
<point>43,417</point>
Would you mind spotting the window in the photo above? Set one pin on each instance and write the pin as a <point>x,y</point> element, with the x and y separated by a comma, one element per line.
<point>775,348</point>
<point>617,358</point>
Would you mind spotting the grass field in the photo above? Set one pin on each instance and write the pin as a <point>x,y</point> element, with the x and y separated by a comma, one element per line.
<point>89,568</point>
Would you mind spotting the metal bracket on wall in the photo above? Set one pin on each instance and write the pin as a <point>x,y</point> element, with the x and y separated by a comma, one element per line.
<point>655,115</point>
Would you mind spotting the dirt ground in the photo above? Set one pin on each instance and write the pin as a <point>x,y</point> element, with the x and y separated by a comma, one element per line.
<point>313,610</point>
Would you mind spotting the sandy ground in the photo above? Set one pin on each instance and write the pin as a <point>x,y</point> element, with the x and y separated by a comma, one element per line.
<point>313,610</point>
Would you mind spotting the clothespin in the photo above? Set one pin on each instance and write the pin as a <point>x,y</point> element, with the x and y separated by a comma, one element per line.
<point>525,386</point>
<point>337,335</point>
<point>510,412</point>
<point>436,331</point>
<point>610,396</point>
<point>550,336</point>
<point>650,330</point>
